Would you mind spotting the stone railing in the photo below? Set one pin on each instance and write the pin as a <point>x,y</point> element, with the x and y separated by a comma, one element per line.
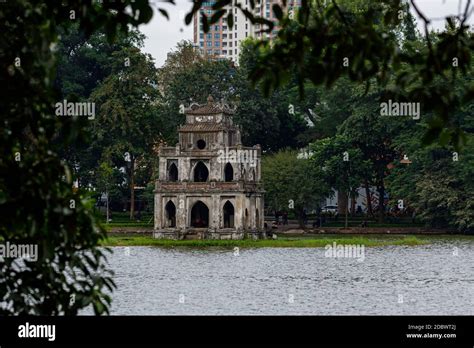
<point>207,186</point>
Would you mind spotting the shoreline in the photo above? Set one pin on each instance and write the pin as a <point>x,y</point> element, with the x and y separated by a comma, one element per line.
<point>281,242</point>
<point>291,237</point>
<point>296,231</point>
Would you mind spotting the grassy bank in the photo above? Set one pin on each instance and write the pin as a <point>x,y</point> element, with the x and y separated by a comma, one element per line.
<point>315,242</point>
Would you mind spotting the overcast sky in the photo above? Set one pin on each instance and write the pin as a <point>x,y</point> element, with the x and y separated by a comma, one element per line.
<point>163,35</point>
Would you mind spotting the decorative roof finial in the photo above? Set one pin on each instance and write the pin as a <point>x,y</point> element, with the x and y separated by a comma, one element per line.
<point>210,99</point>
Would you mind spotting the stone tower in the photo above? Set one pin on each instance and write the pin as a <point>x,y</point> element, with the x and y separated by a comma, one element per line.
<point>209,184</point>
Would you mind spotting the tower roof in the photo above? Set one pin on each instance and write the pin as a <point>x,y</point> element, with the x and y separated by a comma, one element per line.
<point>210,108</point>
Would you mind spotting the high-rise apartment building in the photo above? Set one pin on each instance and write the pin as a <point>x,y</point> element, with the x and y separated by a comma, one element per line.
<point>224,42</point>
<point>264,10</point>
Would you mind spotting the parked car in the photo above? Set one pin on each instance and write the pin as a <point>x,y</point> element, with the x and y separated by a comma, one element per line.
<point>331,209</point>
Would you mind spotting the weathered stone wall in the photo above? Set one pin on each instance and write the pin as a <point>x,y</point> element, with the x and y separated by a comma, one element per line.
<point>244,192</point>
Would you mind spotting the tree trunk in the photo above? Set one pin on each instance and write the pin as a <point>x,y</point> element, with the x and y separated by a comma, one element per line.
<point>107,206</point>
<point>353,205</point>
<point>132,188</point>
<point>381,190</point>
<point>346,224</point>
<point>341,202</point>
<point>368,198</point>
<point>301,223</point>
<point>301,219</point>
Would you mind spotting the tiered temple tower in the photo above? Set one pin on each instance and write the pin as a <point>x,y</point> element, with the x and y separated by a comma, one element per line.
<point>209,184</point>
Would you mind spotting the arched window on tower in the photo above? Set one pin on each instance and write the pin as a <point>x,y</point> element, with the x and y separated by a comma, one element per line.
<point>173,172</point>
<point>200,215</point>
<point>228,172</point>
<point>201,173</point>
<point>228,215</point>
<point>170,210</point>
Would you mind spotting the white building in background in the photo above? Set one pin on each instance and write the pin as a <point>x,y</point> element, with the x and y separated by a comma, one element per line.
<point>361,200</point>
<point>222,41</point>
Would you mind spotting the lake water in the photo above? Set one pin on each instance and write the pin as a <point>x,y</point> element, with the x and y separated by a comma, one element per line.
<point>406,280</point>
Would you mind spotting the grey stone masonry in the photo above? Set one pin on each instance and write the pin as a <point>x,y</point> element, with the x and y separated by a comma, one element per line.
<point>209,184</point>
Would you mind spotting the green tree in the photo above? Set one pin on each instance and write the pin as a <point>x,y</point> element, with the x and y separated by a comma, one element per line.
<point>181,59</point>
<point>127,116</point>
<point>84,62</point>
<point>342,165</point>
<point>272,122</point>
<point>37,202</point>
<point>373,135</point>
<point>323,109</point>
<point>292,183</point>
<point>437,184</point>
<point>216,78</point>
